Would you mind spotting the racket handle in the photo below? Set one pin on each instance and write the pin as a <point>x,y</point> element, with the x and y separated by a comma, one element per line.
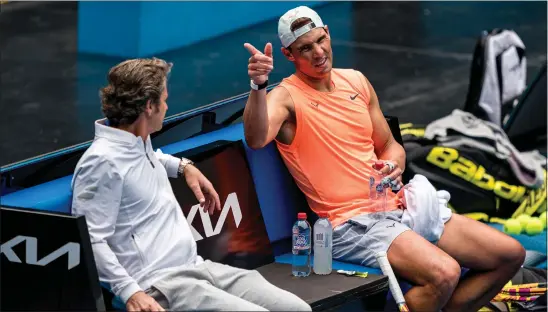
<point>386,269</point>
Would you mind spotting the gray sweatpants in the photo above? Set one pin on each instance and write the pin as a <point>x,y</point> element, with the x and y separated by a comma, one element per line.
<point>219,287</point>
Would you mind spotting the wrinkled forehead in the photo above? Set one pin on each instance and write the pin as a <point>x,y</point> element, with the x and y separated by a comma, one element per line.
<point>310,37</point>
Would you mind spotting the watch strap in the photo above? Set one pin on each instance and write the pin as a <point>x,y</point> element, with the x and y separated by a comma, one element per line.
<point>258,87</point>
<point>182,165</point>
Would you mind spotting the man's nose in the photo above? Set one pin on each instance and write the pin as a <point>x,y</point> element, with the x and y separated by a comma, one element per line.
<point>318,51</point>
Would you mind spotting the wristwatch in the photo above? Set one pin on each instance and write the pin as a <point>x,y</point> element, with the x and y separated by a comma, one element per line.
<point>182,165</point>
<point>258,87</point>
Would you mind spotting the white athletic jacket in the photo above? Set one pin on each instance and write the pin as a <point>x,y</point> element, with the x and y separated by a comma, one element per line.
<point>137,229</point>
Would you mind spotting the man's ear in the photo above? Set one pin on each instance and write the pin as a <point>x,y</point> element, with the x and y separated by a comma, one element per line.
<point>148,108</point>
<point>288,55</point>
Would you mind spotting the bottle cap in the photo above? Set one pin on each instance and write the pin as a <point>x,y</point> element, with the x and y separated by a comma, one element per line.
<point>322,214</point>
<point>301,215</point>
<point>378,165</point>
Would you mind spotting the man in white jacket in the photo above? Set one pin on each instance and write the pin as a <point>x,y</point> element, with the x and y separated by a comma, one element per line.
<point>142,244</point>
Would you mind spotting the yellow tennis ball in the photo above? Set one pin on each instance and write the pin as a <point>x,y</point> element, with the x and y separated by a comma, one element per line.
<point>534,227</point>
<point>543,219</point>
<point>523,219</point>
<point>512,226</point>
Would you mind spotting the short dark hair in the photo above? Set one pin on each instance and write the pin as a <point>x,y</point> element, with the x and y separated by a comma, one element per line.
<point>131,84</point>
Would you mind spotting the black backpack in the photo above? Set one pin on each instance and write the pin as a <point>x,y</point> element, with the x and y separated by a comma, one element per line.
<point>498,75</point>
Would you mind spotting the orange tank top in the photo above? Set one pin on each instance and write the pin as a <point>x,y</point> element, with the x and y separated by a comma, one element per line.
<point>332,154</point>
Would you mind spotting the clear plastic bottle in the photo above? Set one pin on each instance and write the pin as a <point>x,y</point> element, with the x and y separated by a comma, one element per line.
<point>323,252</point>
<point>372,191</point>
<point>381,197</point>
<point>301,246</point>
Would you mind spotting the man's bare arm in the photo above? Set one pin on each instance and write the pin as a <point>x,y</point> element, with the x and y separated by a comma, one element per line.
<point>386,147</point>
<point>264,115</point>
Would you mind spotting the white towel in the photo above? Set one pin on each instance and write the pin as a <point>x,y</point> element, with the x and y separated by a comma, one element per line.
<point>427,209</point>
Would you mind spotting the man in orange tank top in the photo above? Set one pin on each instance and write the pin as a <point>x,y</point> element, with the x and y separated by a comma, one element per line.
<point>330,131</point>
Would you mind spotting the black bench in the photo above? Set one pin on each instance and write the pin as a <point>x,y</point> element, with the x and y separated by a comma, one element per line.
<point>331,292</point>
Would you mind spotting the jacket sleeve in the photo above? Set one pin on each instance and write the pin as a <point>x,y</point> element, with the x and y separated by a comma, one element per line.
<point>97,193</point>
<point>171,163</point>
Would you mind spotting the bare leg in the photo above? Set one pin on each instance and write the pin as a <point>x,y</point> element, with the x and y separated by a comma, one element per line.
<point>493,257</point>
<point>434,272</point>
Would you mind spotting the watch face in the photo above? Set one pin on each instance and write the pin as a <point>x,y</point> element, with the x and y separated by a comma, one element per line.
<point>181,167</point>
<point>184,162</point>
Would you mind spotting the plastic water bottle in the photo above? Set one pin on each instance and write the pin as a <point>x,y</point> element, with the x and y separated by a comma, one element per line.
<point>381,196</point>
<point>323,237</point>
<point>372,191</point>
<point>301,246</point>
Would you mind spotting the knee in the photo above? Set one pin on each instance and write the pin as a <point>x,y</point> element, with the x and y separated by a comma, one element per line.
<point>287,301</point>
<point>513,255</point>
<point>445,278</point>
<point>296,304</point>
<point>303,306</point>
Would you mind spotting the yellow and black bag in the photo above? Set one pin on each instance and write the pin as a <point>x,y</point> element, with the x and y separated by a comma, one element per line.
<point>481,185</point>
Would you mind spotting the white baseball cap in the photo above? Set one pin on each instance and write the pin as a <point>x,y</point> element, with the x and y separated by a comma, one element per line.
<point>284,24</point>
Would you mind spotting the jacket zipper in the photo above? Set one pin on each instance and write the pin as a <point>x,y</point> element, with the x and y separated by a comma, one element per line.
<point>146,153</point>
<point>138,249</point>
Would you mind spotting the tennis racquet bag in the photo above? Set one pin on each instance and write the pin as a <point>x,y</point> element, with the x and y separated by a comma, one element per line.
<point>485,180</point>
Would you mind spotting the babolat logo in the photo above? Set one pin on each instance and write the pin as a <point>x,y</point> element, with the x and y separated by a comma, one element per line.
<point>449,159</point>
<point>231,203</point>
<point>31,252</point>
<point>533,200</point>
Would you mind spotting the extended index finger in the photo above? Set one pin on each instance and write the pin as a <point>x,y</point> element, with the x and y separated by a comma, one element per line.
<point>252,50</point>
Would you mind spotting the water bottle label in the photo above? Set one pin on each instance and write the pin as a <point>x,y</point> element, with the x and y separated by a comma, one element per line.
<point>321,240</point>
<point>300,242</point>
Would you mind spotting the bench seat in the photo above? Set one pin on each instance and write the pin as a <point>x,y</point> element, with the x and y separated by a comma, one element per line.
<point>279,198</point>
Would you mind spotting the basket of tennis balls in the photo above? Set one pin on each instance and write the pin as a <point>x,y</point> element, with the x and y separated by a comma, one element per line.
<point>526,224</point>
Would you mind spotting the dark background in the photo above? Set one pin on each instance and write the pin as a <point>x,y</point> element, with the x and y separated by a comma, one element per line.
<point>416,54</point>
